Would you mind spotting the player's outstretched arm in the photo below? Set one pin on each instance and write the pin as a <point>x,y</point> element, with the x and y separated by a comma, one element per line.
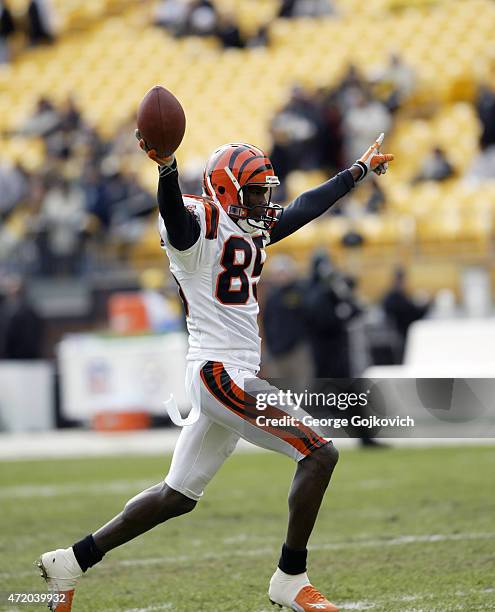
<point>182,227</point>
<point>313,203</point>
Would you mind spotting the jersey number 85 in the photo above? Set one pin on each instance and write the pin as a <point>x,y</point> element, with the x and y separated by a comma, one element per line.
<point>233,284</point>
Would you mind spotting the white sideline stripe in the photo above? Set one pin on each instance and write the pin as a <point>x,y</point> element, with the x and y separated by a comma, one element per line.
<point>367,605</point>
<point>411,539</point>
<point>166,606</point>
<point>82,444</point>
<point>259,552</point>
<point>113,486</point>
<point>121,486</point>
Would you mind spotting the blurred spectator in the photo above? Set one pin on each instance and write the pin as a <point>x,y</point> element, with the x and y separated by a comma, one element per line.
<point>482,167</point>
<point>60,225</point>
<point>22,326</point>
<point>345,91</point>
<point>124,142</point>
<point>44,121</point>
<point>300,119</point>
<point>281,156</point>
<point>397,80</point>
<point>402,310</point>
<point>71,116</point>
<point>331,137</point>
<point>287,8</point>
<point>485,105</point>
<point>228,32</point>
<point>93,188</point>
<point>7,28</point>
<point>352,238</point>
<point>436,167</point>
<point>202,19</point>
<point>330,306</point>
<point>261,38</point>
<point>363,122</point>
<point>13,187</point>
<point>172,15</point>
<point>41,22</point>
<point>129,208</point>
<point>306,8</point>
<point>191,177</point>
<point>376,200</point>
<point>284,323</point>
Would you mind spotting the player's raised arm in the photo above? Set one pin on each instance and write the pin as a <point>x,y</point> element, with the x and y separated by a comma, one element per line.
<point>315,202</point>
<point>182,226</point>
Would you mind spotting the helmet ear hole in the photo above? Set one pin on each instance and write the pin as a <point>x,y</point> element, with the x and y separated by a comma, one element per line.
<point>221,189</point>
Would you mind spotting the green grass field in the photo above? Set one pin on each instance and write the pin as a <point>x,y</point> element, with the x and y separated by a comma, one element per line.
<point>400,530</point>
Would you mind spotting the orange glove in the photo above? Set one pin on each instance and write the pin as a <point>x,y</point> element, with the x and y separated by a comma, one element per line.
<point>373,159</point>
<point>152,154</point>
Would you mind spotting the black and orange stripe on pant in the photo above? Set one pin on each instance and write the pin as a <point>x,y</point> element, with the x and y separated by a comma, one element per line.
<point>218,382</point>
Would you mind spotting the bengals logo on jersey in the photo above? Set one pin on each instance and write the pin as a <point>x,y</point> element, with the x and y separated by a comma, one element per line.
<point>212,214</point>
<point>192,209</point>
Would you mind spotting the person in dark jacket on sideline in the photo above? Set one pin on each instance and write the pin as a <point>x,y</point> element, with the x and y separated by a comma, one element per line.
<point>401,309</point>
<point>284,323</point>
<point>22,325</point>
<point>330,306</point>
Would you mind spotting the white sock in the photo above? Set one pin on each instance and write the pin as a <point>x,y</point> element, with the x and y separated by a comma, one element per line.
<point>286,586</point>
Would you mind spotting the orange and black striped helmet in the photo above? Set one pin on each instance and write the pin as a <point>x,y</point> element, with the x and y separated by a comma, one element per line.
<point>232,167</point>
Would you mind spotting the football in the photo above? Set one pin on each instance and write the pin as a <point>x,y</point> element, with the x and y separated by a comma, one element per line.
<point>161,121</point>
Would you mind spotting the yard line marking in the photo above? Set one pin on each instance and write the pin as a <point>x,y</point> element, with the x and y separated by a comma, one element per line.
<point>165,606</point>
<point>112,486</point>
<point>406,539</point>
<point>259,552</point>
<point>118,486</point>
<point>368,605</point>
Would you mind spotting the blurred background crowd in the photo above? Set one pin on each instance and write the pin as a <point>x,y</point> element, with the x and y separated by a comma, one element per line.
<point>313,82</point>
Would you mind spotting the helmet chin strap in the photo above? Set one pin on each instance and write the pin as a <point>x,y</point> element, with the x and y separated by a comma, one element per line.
<point>247,227</point>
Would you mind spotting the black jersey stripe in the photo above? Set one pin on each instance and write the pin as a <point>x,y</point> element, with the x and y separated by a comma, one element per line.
<point>225,395</point>
<point>215,217</point>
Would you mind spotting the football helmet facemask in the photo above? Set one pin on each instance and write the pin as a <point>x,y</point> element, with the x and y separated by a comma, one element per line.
<point>240,178</point>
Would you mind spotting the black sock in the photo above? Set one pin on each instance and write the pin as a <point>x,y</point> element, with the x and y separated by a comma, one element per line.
<point>86,552</point>
<point>293,561</point>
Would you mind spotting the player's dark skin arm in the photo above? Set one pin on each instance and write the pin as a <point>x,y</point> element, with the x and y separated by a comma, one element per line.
<point>313,203</point>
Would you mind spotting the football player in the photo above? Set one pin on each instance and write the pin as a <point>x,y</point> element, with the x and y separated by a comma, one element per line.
<point>216,247</point>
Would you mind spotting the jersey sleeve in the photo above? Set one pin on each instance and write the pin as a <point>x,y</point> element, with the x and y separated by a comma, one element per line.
<point>189,259</point>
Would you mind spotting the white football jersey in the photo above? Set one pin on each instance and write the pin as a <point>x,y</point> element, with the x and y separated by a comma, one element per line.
<point>217,280</point>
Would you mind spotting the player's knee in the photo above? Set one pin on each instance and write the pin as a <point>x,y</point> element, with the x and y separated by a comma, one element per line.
<point>177,503</point>
<point>156,505</point>
<point>325,458</point>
